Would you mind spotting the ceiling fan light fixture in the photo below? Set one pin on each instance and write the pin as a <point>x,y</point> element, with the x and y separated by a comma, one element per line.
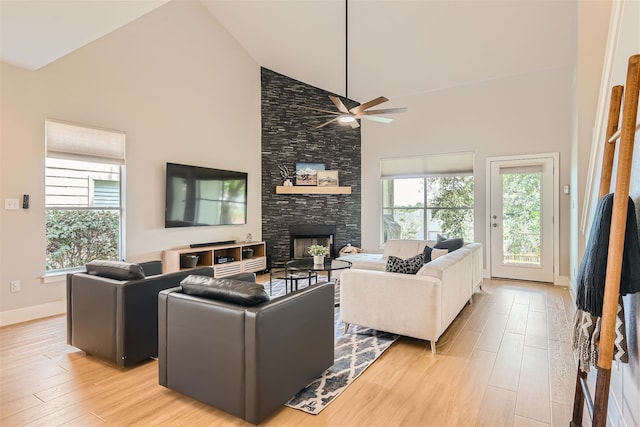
<point>352,116</point>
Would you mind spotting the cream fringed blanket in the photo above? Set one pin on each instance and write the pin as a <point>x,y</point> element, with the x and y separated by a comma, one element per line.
<point>591,280</point>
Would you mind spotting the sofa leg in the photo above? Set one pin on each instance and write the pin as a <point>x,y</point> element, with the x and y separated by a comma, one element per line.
<point>346,328</point>
<point>433,347</point>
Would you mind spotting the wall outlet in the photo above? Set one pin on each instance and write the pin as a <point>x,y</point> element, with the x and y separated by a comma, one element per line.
<point>15,286</point>
<point>11,204</point>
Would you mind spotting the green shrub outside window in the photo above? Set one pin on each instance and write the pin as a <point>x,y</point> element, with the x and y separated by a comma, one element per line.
<point>75,237</point>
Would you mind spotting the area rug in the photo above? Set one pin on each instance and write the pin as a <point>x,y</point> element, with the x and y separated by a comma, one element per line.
<point>354,352</point>
<point>277,288</point>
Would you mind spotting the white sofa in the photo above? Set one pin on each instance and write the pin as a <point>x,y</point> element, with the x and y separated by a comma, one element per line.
<point>420,306</point>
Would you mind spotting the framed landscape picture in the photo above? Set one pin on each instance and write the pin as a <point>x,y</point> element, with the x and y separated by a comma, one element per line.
<point>307,173</point>
<point>327,178</point>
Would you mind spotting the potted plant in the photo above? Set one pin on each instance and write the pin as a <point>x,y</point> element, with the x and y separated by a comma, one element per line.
<point>318,252</point>
<point>287,175</point>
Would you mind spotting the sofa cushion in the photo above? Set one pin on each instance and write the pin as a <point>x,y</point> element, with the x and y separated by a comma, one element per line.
<point>450,244</point>
<point>402,248</point>
<point>151,268</point>
<point>365,261</point>
<point>404,266</point>
<point>438,267</point>
<point>229,290</point>
<point>117,270</point>
<point>437,253</point>
<point>429,253</point>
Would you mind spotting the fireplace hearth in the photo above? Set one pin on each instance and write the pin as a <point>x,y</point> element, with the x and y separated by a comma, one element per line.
<point>302,236</point>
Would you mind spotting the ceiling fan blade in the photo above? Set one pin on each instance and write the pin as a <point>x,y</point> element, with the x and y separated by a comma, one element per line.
<point>338,103</point>
<point>369,104</point>
<point>326,123</point>
<point>317,109</point>
<point>377,119</point>
<point>384,111</point>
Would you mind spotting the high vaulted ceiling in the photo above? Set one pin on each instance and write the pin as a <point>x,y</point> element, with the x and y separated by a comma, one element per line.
<point>396,48</point>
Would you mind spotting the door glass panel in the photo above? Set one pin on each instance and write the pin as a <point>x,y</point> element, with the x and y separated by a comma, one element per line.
<point>521,206</point>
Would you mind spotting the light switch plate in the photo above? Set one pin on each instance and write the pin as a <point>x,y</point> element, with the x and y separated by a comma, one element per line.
<point>11,204</point>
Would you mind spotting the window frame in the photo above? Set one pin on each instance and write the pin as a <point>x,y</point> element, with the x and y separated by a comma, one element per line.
<point>86,145</point>
<point>425,208</point>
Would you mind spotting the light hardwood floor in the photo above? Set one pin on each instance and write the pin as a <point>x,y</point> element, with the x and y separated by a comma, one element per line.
<point>505,361</point>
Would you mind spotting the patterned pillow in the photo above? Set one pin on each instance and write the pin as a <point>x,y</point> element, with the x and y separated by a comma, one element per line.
<point>404,266</point>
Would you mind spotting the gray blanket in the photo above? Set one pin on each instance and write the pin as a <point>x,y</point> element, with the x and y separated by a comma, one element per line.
<point>591,281</point>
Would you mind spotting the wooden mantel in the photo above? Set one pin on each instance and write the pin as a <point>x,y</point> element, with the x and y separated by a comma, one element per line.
<point>303,189</point>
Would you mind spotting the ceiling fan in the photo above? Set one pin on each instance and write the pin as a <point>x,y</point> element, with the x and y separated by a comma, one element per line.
<point>351,116</point>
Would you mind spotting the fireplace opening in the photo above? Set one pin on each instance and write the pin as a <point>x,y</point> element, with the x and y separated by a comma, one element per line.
<point>304,235</point>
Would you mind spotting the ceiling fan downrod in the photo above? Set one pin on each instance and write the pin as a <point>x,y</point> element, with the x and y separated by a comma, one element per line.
<point>346,49</point>
<point>361,111</point>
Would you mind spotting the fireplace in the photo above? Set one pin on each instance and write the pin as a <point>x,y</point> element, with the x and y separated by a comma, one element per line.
<point>302,236</point>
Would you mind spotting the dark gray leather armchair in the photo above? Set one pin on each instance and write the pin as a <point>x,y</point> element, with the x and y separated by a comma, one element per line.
<point>117,320</point>
<point>247,361</point>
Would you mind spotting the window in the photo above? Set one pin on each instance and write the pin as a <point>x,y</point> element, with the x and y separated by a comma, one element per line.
<point>83,181</point>
<point>426,196</point>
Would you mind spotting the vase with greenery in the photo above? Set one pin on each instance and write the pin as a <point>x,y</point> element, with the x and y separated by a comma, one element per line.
<point>318,252</point>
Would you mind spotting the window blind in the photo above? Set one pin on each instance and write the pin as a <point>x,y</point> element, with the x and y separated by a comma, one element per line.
<point>76,142</point>
<point>419,166</point>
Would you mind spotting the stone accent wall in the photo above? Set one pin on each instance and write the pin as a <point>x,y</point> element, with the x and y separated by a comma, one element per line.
<point>289,136</point>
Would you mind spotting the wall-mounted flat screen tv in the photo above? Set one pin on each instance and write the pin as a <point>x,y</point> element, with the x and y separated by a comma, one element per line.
<point>200,196</point>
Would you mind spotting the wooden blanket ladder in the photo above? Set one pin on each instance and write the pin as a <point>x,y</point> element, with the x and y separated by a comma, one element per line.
<point>597,406</point>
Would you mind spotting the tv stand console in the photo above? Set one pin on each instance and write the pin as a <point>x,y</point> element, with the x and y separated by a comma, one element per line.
<point>225,259</point>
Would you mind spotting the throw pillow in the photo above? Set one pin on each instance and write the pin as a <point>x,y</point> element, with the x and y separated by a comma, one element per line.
<point>426,254</point>
<point>404,266</point>
<point>450,244</point>
<point>229,290</point>
<point>437,253</point>
<point>429,253</point>
<point>117,270</point>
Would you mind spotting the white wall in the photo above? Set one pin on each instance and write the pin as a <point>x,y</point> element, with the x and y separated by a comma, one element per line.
<point>593,26</point>
<point>525,114</point>
<point>181,88</point>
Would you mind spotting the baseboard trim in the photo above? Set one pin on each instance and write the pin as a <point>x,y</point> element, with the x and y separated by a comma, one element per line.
<point>558,280</point>
<point>10,317</point>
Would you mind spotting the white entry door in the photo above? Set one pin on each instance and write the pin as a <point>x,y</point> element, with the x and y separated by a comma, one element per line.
<point>521,218</point>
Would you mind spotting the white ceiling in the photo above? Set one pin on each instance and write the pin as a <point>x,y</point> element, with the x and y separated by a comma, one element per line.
<point>34,33</point>
<point>396,48</point>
